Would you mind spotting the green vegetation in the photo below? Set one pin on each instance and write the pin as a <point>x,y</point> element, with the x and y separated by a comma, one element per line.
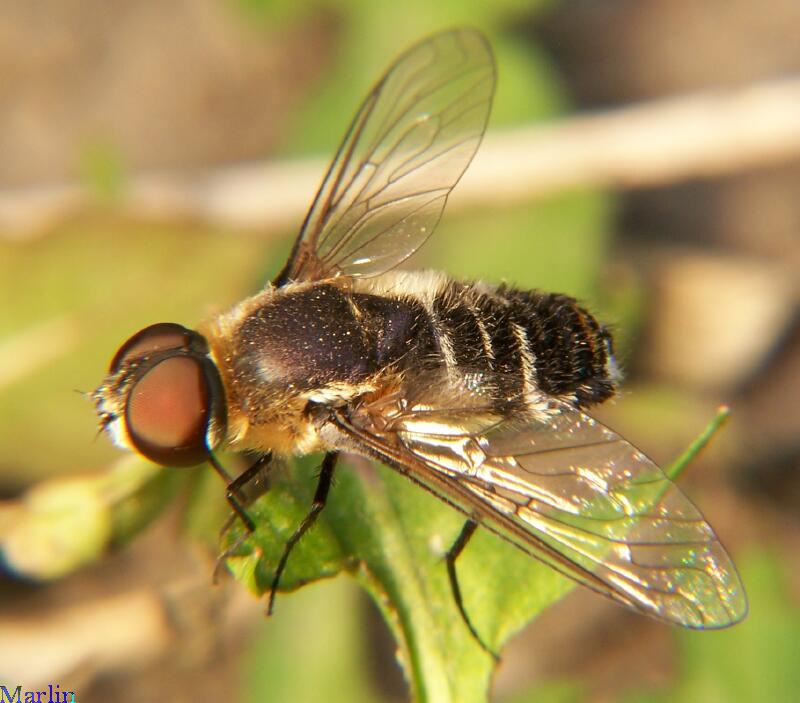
<point>103,278</point>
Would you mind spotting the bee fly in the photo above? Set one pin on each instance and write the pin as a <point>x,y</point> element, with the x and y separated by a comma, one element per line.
<point>477,393</point>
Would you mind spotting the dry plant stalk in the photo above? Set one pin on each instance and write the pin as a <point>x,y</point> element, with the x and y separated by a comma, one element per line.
<point>668,140</point>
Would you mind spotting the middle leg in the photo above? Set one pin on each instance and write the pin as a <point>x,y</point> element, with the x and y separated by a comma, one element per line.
<point>320,497</point>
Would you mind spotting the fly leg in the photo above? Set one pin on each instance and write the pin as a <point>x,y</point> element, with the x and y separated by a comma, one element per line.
<point>235,496</point>
<point>450,558</point>
<point>320,497</point>
<point>233,492</point>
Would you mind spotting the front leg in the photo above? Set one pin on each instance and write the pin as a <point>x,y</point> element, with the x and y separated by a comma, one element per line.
<point>235,495</point>
<point>234,487</point>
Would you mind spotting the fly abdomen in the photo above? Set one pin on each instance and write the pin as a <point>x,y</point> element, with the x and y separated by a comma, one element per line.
<point>527,342</point>
<point>571,350</point>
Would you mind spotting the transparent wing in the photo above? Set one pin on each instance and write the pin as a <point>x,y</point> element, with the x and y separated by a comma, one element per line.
<point>567,490</point>
<point>406,149</point>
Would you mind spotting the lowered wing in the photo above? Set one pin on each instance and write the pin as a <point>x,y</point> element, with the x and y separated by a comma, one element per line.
<point>564,489</point>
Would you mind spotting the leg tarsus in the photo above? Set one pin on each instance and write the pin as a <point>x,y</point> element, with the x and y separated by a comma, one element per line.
<point>450,558</point>
<point>229,552</point>
<point>320,497</point>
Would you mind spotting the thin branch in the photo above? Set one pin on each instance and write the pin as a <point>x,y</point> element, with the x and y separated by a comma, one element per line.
<point>700,135</point>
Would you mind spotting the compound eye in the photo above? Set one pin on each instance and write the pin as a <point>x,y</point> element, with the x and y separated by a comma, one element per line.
<point>168,412</point>
<point>158,337</point>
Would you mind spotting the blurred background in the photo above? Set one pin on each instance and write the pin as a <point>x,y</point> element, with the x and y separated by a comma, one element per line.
<point>155,162</point>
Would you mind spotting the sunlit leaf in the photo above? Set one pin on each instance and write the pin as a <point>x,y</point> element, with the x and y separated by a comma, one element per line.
<point>391,536</point>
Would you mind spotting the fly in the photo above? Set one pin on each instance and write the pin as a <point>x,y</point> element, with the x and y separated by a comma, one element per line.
<point>478,393</point>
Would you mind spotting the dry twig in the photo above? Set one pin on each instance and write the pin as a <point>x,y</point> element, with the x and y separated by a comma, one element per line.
<point>668,140</point>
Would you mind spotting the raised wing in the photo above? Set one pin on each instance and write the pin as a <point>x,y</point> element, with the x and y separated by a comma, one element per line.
<point>406,149</point>
<point>565,490</point>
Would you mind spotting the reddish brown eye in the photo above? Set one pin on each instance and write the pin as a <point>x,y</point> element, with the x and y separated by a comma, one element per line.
<point>158,337</point>
<point>168,412</point>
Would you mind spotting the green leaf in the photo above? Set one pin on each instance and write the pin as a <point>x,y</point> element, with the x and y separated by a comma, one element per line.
<point>391,536</point>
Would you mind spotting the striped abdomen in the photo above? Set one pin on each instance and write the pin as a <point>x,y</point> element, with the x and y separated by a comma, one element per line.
<point>528,341</point>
